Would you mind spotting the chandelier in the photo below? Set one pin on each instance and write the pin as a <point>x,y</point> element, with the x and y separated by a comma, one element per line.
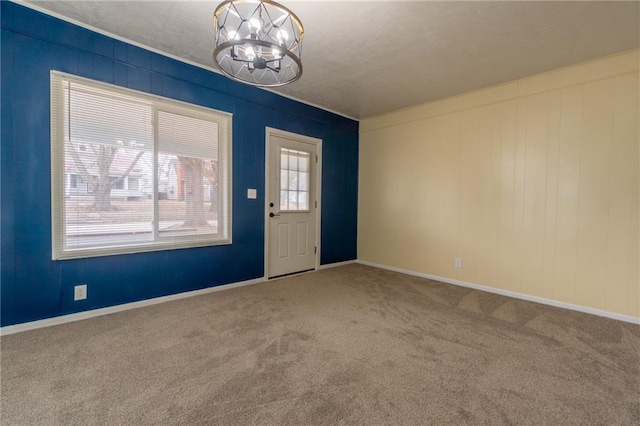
<point>258,42</point>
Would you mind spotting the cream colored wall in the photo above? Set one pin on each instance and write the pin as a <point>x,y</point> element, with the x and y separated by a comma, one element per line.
<point>533,183</point>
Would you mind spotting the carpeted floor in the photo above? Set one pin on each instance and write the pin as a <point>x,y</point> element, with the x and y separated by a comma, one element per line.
<point>349,345</point>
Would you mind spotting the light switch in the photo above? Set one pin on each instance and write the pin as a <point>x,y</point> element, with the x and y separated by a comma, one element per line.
<point>252,194</point>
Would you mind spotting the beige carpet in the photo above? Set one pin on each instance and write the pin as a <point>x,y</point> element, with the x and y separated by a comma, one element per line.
<point>349,345</point>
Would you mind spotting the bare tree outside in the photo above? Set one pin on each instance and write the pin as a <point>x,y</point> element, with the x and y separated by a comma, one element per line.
<point>194,191</point>
<point>211,174</point>
<point>104,181</point>
<point>96,165</point>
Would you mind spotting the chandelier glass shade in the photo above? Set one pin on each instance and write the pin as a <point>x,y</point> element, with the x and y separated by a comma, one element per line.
<point>258,42</point>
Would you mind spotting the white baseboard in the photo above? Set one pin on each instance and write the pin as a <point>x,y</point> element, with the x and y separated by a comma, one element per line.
<point>336,264</point>
<point>11,329</point>
<point>17,328</point>
<point>522,296</point>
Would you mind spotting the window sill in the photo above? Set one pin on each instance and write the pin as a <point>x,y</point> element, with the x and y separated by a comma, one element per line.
<point>135,248</point>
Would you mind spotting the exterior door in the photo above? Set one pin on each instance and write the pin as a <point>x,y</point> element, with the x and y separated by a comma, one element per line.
<point>291,203</point>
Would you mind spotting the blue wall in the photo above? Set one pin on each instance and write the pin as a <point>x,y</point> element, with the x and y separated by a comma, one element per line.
<point>33,286</point>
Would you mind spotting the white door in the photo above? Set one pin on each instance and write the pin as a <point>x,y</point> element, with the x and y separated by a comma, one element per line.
<point>291,203</point>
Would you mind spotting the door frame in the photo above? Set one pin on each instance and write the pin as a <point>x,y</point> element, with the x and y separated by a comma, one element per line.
<point>270,131</point>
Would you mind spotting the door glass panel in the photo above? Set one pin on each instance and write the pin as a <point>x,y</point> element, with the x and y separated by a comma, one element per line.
<point>303,183</point>
<point>294,180</point>
<point>303,198</point>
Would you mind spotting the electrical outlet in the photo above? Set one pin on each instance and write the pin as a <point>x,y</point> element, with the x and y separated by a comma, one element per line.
<point>80,292</point>
<point>458,263</point>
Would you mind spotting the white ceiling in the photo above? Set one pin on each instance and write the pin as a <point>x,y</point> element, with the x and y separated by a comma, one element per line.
<point>363,58</point>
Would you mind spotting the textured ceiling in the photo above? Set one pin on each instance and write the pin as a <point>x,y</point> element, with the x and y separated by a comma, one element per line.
<point>363,58</point>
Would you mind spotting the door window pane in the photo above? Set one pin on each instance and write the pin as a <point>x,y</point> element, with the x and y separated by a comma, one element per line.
<point>294,180</point>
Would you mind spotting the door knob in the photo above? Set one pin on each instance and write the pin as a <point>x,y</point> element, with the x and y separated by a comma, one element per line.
<point>272,214</point>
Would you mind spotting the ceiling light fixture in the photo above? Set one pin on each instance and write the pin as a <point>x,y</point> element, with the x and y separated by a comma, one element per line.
<point>258,42</point>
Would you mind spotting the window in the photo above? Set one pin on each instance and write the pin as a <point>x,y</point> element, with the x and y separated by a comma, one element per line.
<point>117,183</point>
<point>133,172</point>
<point>133,184</point>
<point>294,180</point>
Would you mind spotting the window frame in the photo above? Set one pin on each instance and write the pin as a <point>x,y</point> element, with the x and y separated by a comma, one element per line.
<point>224,121</point>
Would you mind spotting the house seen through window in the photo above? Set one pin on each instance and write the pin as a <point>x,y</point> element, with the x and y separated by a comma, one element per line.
<point>133,172</point>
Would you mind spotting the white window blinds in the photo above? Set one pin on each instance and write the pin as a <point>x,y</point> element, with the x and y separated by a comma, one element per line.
<point>97,116</point>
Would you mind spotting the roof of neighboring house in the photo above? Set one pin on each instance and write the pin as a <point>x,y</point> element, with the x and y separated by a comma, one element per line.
<point>90,157</point>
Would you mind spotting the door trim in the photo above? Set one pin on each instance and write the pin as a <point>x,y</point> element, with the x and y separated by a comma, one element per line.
<point>270,131</point>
